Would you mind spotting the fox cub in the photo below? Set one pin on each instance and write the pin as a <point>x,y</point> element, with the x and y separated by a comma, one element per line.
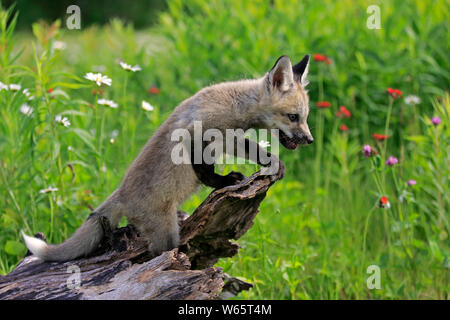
<point>151,191</point>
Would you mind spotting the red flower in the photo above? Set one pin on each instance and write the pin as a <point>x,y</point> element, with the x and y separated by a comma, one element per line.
<point>322,57</point>
<point>343,128</point>
<point>153,90</point>
<point>323,104</point>
<point>394,93</point>
<point>343,112</point>
<point>50,90</point>
<point>380,137</point>
<point>384,202</point>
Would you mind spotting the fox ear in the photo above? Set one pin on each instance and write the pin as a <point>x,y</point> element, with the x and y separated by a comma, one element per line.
<point>300,71</point>
<point>281,76</point>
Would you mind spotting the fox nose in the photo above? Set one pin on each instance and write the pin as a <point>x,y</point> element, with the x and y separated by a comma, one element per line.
<point>309,139</point>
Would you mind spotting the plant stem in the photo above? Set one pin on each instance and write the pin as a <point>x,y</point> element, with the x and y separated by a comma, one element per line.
<point>319,135</point>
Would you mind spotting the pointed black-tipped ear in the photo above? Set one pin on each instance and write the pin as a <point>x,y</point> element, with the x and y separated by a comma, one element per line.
<point>281,76</point>
<point>300,71</point>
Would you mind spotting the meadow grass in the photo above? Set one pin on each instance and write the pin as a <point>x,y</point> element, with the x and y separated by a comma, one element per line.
<point>323,225</point>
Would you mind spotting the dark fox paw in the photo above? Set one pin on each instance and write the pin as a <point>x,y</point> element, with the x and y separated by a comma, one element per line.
<point>276,170</point>
<point>234,178</point>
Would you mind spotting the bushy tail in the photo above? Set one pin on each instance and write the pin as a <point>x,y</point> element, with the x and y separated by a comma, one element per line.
<point>83,241</point>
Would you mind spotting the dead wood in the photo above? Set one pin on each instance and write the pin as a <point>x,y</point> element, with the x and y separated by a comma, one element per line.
<point>122,268</point>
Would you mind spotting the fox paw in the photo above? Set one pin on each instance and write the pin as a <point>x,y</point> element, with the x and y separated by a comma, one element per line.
<point>276,171</point>
<point>234,178</point>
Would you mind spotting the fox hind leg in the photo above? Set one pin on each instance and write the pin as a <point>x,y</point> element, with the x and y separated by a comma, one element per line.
<point>162,231</point>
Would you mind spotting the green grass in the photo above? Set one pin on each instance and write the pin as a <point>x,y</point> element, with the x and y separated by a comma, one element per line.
<point>319,228</point>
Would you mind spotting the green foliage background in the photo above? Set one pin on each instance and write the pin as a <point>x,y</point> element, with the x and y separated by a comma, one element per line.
<point>320,227</point>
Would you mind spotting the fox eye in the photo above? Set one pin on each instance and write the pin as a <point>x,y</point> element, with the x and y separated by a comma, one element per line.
<point>293,117</point>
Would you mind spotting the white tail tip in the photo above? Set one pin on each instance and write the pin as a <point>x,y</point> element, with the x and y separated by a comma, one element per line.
<point>35,245</point>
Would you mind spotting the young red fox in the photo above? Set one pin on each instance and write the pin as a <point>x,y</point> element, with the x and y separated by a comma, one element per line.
<point>151,191</point>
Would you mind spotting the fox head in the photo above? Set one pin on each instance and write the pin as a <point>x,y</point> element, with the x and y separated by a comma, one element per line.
<point>286,102</point>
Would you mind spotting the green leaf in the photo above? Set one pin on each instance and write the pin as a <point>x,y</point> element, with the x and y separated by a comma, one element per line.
<point>14,248</point>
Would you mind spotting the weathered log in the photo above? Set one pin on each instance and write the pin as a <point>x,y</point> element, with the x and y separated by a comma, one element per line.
<point>122,268</point>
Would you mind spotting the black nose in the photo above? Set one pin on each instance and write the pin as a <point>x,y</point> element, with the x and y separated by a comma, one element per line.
<point>310,140</point>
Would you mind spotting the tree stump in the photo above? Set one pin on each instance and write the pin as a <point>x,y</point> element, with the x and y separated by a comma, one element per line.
<point>122,268</point>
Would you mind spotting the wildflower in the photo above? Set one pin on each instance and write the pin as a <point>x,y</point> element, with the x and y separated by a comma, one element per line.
<point>14,87</point>
<point>343,112</point>
<point>98,78</point>
<point>50,90</point>
<point>264,144</point>
<point>412,100</point>
<point>49,189</point>
<point>412,182</point>
<point>391,161</point>
<point>58,45</point>
<point>3,86</point>
<point>436,121</point>
<point>343,128</point>
<point>153,90</point>
<point>111,140</point>
<point>380,137</point>
<point>114,133</point>
<point>323,104</point>
<point>108,103</point>
<point>384,202</point>
<point>322,58</point>
<point>394,93</point>
<point>69,148</point>
<point>368,151</point>
<point>27,94</point>
<point>26,110</point>
<point>146,106</point>
<point>128,67</point>
<point>62,120</point>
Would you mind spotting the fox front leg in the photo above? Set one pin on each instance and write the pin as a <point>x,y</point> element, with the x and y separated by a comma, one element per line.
<point>205,173</point>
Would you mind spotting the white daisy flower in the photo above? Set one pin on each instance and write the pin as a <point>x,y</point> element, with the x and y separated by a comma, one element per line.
<point>147,106</point>
<point>412,100</point>
<point>27,94</point>
<point>128,67</point>
<point>108,103</point>
<point>62,120</point>
<point>98,78</point>
<point>59,45</point>
<point>3,86</point>
<point>26,110</point>
<point>264,144</point>
<point>112,140</point>
<point>49,189</point>
<point>14,87</point>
